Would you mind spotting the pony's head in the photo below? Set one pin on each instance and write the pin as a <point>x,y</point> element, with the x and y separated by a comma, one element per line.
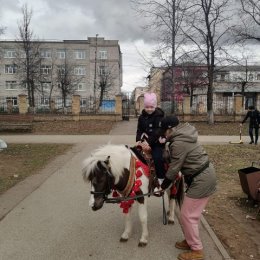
<point>98,172</point>
<point>103,169</point>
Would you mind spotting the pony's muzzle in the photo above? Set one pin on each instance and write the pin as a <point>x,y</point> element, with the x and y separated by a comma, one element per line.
<point>98,204</point>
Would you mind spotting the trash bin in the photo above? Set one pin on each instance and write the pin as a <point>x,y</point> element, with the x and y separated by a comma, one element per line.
<point>250,181</point>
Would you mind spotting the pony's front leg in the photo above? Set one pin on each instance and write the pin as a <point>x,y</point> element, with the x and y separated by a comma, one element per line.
<point>128,226</point>
<point>142,211</point>
<point>171,209</point>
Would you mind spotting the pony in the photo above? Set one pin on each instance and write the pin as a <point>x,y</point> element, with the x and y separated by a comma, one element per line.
<point>117,169</point>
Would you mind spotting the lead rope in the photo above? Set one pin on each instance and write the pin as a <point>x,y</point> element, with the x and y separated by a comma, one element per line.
<point>164,211</point>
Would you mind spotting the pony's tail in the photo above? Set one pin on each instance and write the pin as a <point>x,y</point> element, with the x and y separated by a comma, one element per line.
<point>180,192</point>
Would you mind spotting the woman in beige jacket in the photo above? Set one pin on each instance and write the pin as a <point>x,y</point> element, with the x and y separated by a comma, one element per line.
<point>187,156</point>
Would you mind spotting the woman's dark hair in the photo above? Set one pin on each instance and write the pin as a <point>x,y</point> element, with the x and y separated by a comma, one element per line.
<point>251,107</point>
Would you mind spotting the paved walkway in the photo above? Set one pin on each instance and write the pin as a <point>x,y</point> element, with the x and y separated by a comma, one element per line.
<point>47,215</point>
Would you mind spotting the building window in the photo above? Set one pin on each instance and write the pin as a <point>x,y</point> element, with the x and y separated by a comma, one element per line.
<point>250,77</point>
<point>61,70</point>
<point>44,101</point>
<point>258,76</point>
<point>9,54</point>
<point>46,86</point>
<point>83,102</point>
<point>46,53</point>
<point>222,77</point>
<point>61,54</point>
<point>102,70</point>
<point>204,74</point>
<point>79,54</point>
<point>81,87</point>
<point>22,54</point>
<point>103,55</point>
<point>11,85</point>
<point>10,69</point>
<point>80,70</point>
<point>13,99</point>
<point>45,69</point>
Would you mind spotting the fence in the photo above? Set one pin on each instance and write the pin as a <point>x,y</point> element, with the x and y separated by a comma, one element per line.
<point>88,105</point>
<point>91,105</point>
<point>198,105</point>
<point>227,108</point>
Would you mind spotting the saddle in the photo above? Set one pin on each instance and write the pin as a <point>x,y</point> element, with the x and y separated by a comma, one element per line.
<point>146,158</point>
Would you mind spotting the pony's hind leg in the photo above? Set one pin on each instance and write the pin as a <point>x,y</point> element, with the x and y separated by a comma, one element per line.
<point>142,211</point>
<point>171,211</point>
<point>128,226</point>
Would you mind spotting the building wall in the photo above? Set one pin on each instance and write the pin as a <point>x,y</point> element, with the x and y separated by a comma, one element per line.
<point>92,46</point>
<point>227,83</point>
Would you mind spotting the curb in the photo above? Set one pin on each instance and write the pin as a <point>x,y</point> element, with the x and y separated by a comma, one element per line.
<point>215,239</point>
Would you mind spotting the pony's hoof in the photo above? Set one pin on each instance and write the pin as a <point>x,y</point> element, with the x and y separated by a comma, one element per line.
<point>123,239</point>
<point>142,244</point>
<point>171,222</point>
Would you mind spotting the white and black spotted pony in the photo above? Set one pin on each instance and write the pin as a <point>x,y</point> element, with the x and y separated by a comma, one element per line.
<point>116,169</point>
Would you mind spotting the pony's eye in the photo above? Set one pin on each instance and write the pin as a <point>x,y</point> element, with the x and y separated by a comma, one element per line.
<point>94,181</point>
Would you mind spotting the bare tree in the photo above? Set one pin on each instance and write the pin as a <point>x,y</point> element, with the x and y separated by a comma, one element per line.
<point>165,18</point>
<point>248,27</point>
<point>245,80</point>
<point>28,56</point>
<point>105,80</point>
<point>67,78</point>
<point>209,25</point>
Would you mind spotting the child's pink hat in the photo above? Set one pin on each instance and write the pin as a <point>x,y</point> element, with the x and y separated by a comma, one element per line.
<point>150,100</point>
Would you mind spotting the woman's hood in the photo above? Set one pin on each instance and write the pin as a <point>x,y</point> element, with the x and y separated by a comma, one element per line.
<point>185,133</point>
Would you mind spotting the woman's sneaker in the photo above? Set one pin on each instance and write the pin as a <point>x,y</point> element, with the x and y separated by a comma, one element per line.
<point>192,255</point>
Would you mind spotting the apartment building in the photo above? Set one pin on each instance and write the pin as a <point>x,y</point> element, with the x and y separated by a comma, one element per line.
<point>90,60</point>
<point>191,79</point>
<point>244,80</point>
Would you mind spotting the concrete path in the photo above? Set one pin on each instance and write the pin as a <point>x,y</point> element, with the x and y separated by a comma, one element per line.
<point>48,217</point>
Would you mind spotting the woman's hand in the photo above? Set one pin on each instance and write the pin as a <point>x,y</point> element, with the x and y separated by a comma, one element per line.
<point>166,184</point>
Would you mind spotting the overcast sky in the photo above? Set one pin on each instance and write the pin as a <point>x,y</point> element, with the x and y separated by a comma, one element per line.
<point>79,19</point>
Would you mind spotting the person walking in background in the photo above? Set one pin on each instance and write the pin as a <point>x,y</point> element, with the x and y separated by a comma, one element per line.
<point>254,121</point>
<point>187,156</point>
<point>148,126</point>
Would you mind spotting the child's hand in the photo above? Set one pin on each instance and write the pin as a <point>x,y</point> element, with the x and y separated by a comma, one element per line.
<point>145,146</point>
<point>162,140</point>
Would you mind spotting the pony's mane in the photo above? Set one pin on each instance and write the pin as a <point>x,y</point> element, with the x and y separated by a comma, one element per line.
<point>119,159</point>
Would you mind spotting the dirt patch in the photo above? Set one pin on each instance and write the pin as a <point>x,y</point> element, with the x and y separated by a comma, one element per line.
<point>19,161</point>
<point>89,127</point>
<point>71,127</point>
<point>220,128</point>
<point>229,212</point>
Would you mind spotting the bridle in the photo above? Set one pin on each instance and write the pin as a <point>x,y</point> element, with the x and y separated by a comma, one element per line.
<point>108,189</point>
<point>110,182</point>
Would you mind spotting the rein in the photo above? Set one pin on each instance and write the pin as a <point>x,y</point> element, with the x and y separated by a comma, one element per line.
<point>120,199</point>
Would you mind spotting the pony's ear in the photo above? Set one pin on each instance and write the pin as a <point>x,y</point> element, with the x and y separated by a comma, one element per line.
<point>107,160</point>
